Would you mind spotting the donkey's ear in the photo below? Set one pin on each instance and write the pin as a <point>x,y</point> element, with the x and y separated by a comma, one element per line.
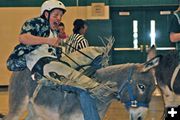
<point>151,63</point>
<point>151,52</point>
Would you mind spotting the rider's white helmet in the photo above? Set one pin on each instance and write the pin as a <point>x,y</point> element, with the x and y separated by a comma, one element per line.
<point>52,4</point>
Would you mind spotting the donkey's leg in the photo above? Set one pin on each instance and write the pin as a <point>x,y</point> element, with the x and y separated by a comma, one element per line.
<point>17,110</point>
<point>32,114</point>
<point>18,94</point>
<point>36,112</point>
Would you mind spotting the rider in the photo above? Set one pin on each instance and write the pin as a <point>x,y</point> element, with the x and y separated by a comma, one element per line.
<point>39,36</point>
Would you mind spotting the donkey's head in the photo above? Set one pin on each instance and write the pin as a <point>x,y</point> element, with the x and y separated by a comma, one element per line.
<point>135,85</point>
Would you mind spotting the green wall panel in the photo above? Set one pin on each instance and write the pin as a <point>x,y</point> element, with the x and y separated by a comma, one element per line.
<point>37,3</point>
<point>97,1</point>
<point>113,3</point>
<point>142,2</point>
<point>96,28</point>
<point>20,3</point>
<point>120,57</point>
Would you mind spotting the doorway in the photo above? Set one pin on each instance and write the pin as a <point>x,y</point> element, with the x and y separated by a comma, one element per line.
<point>138,28</point>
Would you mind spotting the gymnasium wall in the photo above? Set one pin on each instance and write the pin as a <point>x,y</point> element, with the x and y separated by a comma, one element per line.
<point>11,20</point>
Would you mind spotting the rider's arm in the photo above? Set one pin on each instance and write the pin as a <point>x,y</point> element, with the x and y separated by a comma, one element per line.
<point>174,37</point>
<point>174,29</point>
<point>32,33</point>
<point>33,40</point>
<point>29,39</point>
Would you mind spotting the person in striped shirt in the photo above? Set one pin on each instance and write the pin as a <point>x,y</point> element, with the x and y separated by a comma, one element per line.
<point>77,40</point>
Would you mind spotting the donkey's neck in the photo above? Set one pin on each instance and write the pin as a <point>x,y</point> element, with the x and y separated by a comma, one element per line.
<point>115,74</point>
<point>103,105</point>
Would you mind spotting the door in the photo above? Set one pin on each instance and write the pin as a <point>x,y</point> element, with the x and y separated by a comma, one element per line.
<point>126,27</point>
<point>136,29</point>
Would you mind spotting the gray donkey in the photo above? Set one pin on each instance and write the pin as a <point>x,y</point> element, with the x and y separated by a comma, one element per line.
<point>134,84</point>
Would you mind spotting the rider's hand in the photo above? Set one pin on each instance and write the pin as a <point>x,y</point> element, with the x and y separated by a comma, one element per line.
<point>54,42</point>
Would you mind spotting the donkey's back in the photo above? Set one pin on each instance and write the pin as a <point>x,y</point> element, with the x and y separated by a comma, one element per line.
<point>60,104</point>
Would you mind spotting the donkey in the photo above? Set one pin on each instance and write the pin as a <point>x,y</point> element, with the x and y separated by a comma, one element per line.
<point>134,84</point>
<point>168,77</point>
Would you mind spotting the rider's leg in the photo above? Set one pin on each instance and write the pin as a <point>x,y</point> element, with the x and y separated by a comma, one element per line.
<point>88,104</point>
<point>76,81</point>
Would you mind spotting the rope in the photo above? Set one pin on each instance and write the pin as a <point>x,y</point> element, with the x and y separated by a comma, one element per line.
<point>177,17</point>
<point>79,51</point>
<point>72,60</point>
<point>36,91</point>
<point>174,76</point>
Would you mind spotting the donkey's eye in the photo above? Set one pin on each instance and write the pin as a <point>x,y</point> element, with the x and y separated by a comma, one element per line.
<point>141,87</point>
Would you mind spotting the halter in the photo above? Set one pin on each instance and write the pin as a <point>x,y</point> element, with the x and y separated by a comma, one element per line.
<point>128,85</point>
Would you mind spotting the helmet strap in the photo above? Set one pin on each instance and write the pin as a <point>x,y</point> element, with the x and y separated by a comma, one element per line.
<point>49,12</point>
<point>48,19</point>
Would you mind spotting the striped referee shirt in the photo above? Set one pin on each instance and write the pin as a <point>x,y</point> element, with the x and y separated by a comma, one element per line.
<point>76,42</point>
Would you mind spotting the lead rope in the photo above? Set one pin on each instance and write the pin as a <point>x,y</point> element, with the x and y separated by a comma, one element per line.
<point>174,76</point>
<point>36,91</point>
<point>177,17</point>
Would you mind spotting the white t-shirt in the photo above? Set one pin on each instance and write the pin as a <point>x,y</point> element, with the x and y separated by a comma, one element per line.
<point>43,51</point>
